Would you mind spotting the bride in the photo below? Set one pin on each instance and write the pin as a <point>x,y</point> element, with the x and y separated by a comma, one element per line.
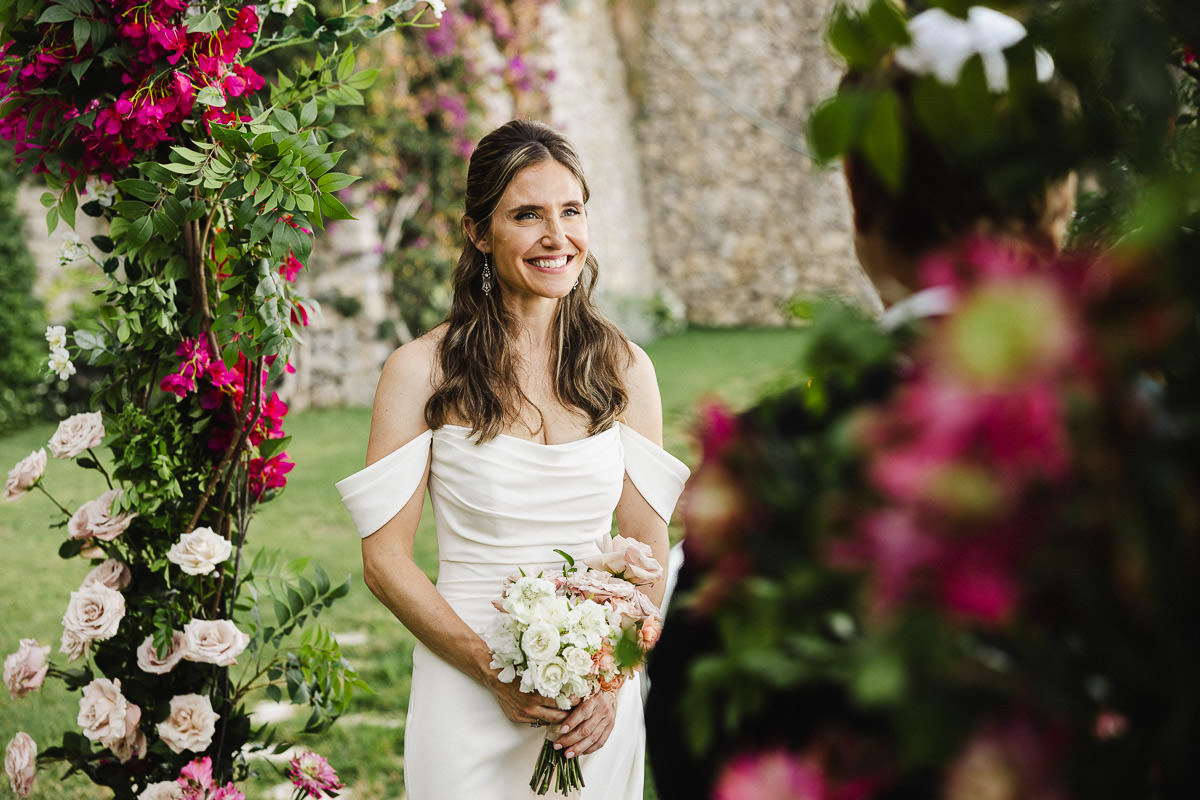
<point>530,419</point>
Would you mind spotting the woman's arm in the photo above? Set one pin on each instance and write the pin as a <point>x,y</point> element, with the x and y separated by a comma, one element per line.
<point>636,518</point>
<point>388,566</point>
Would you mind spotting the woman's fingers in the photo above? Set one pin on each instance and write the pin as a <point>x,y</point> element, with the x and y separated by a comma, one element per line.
<point>588,726</point>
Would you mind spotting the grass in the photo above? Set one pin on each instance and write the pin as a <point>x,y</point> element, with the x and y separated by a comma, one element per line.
<point>308,520</point>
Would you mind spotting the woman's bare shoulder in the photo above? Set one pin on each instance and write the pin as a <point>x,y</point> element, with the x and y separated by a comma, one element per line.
<point>405,386</point>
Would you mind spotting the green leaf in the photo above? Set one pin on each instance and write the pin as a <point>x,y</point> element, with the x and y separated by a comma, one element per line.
<point>335,181</point>
<point>346,66</point>
<point>81,33</point>
<point>79,68</point>
<point>887,22</point>
<point>211,96</point>
<point>56,13</point>
<point>363,80</point>
<point>308,114</point>
<point>179,169</point>
<point>333,208</point>
<point>282,614</point>
<point>142,190</point>
<point>51,219</point>
<point>286,119</point>
<point>205,23</point>
<point>847,36</point>
<point>883,141</point>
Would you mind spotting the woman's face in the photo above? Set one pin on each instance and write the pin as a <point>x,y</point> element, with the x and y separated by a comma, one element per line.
<point>539,235</point>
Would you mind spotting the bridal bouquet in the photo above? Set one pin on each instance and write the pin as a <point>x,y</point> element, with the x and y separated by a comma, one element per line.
<point>570,635</point>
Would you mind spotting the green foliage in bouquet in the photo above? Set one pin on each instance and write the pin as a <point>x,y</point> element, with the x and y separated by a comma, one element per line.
<point>210,182</point>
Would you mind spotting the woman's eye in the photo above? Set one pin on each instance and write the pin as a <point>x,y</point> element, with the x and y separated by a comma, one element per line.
<point>526,215</point>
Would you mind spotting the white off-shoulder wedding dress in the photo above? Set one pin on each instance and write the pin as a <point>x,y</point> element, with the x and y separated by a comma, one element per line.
<point>503,506</point>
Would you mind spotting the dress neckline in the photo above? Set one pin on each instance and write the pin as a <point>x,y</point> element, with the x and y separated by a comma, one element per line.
<point>557,445</point>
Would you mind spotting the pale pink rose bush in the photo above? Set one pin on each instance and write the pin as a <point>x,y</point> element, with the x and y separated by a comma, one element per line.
<point>191,725</point>
<point>77,434</point>
<point>95,519</point>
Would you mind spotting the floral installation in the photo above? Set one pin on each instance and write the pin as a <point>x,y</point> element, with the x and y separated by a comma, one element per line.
<point>572,634</point>
<point>209,168</point>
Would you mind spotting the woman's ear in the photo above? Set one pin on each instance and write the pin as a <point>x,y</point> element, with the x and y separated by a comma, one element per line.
<point>474,235</point>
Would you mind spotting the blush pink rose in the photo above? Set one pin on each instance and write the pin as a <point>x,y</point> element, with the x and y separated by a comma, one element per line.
<point>629,559</point>
<point>147,654</point>
<point>133,744</point>
<point>112,573</point>
<point>76,434</point>
<point>215,641</point>
<point>95,612</point>
<point>199,552</point>
<point>191,724</point>
<point>95,519</point>
<point>650,632</point>
<point>72,645</point>
<point>103,711</point>
<point>600,586</point>
<point>25,669</point>
<point>20,762</point>
<point>25,474</point>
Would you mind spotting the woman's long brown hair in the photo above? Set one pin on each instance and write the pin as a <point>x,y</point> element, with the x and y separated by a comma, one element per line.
<point>477,355</point>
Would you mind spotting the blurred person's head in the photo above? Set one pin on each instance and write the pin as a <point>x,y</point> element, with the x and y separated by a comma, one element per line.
<point>978,157</point>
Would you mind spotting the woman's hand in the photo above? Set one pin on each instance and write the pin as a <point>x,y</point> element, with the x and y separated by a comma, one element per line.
<point>525,707</point>
<point>587,728</point>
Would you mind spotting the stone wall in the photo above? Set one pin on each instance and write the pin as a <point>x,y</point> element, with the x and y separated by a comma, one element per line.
<point>741,218</point>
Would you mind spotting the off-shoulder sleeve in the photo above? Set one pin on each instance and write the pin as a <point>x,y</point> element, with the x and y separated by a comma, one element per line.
<point>658,475</point>
<point>375,494</point>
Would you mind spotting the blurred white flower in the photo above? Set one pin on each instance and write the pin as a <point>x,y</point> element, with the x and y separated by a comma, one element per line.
<point>104,192</point>
<point>56,336</point>
<point>60,363</point>
<point>438,7</point>
<point>943,43</point>
<point>73,249</point>
<point>284,7</point>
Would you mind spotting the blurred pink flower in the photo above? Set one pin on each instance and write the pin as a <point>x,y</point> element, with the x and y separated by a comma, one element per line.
<point>773,775</point>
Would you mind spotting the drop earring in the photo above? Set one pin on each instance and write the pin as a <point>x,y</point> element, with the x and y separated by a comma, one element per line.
<point>487,276</point>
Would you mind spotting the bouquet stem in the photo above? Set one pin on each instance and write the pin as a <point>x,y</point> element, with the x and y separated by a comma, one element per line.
<point>553,767</point>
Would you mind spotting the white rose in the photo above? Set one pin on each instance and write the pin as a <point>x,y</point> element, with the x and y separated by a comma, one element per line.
<point>199,552</point>
<point>112,573</point>
<point>56,336</point>
<point>549,677</point>
<point>190,725</point>
<point>95,520</point>
<point>526,596</point>
<point>147,654</point>
<point>76,434</point>
<point>103,711</point>
<point>213,641</point>
<point>95,612</point>
<point>540,641</point>
<point>578,660</point>
<point>20,762</point>
<point>588,625</point>
<point>163,790</point>
<point>25,474</point>
<point>25,669</point>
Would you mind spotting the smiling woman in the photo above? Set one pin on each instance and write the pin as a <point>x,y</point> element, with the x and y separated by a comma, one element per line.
<point>507,413</point>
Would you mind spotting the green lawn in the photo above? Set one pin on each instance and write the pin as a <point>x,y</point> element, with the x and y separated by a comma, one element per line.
<point>308,520</point>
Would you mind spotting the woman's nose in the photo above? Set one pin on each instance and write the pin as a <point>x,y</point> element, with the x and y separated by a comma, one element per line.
<point>554,234</point>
